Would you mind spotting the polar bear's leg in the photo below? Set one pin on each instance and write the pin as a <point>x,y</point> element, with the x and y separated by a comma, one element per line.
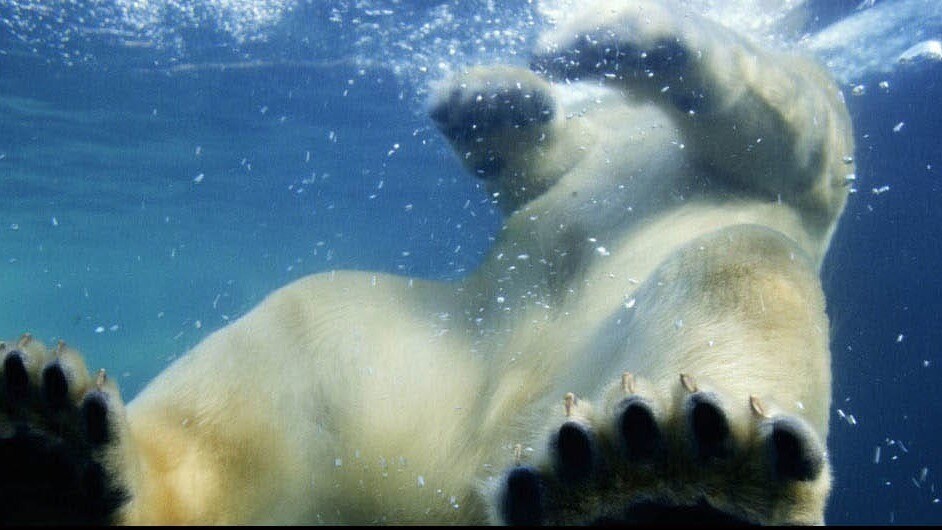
<point>62,438</point>
<point>505,125</point>
<point>782,125</point>
<point>723,413</point>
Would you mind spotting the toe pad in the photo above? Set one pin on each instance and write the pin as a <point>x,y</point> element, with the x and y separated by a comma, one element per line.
<point>523,497</point>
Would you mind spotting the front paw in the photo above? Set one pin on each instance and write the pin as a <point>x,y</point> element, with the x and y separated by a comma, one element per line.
<point>61,438</point>
<point>696,456</point>
<point>486,100</point>
<point>490,114</point>
<point>653,48</point>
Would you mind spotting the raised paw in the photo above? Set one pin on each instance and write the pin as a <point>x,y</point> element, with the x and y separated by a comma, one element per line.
<point>647,45</point>
<point>692,456</point>
<point>487,99</point>
<point>61,431</point>
<point>773,122</point>
<point>490,113</point>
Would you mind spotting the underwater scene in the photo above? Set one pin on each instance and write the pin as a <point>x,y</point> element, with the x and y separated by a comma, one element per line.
<point>166,164</point>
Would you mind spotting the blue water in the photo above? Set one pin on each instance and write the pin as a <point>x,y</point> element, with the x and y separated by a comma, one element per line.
<point>165,164</point>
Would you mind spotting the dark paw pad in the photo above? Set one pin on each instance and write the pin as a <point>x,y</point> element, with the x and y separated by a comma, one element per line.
<point>15,377</point>
<point>793,451</point>
<point>467,114</point>
<point>574,451</point>
<point>95,418</point>
<point>490,166</point>
<point>48,480</point>
<point>638,430</point>
<point>666,56</point>
<point>665,68</point>
<point>709,427</point>
<point>654,513</point>
<point>55,386</point>
<point>522,502</point>
<point>603,53</point>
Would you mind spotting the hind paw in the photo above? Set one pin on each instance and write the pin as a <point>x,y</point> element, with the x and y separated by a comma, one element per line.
<point>695,455</point>
<point>61,436</point>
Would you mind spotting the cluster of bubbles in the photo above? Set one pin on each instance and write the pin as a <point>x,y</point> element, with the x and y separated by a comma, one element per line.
<point>764,19</point>
<point>89,31</point>
<point>420,41</point>
<point>412,37</point>
<point>415,38</point>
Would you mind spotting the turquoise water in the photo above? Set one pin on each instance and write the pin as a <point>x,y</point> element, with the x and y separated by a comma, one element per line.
<point>166,164</point>
<point>168,204</point>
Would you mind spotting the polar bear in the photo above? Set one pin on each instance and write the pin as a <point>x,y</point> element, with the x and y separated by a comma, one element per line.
<point>647,340</point>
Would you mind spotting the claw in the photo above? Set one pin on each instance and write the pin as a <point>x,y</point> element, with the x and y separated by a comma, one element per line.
<point>24,341</point>
<point>628,383</point>
<point>60,347</point>
<point>518,454</point>
<point>758,408</point>
<point>101,379</point>
<point>569,401</point>
<point>689,384</point>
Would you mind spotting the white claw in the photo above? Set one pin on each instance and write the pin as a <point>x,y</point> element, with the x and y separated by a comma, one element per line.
<point>569,401</point>
<point>758,408</point>
<point>688,383</point>
<point>60,347</point>
<point>628,383</point>
<point>518,454</point>
<point>100,380</point>
<point>25,339</point>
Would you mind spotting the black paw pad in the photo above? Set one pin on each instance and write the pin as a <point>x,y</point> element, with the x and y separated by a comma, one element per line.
<point>709,427</point>
<point>95,418</point>
<point>574,452</point>
<point>579,60</point>
<point>15,377</point>
<point>523,498</point>
<point>49,481</point>
<point>55,386</point>
<point>465,115</point>
<point>603,53</point>
<point>793,452</point>
<point>489,167</point>
<point>667,57</point>
<point>638,429</point>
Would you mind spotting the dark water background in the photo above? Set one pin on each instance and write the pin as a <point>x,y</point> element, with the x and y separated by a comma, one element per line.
<point>157,180</point>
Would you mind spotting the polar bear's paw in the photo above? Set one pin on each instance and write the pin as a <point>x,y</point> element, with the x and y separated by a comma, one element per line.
<point>717,84</point>
<point>60,429</point>
<point>488,99</point>
<point>698,456</point>
<point>487,108</point>
<point>650,47</point>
